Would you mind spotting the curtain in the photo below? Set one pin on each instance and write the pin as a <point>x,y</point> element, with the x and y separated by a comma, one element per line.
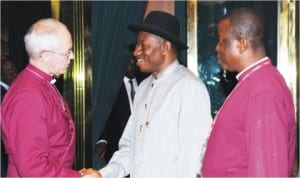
<point>110,55</point>
<point>181,14</point>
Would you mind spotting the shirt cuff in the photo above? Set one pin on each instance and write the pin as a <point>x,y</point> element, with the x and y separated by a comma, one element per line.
<point>101,141</point>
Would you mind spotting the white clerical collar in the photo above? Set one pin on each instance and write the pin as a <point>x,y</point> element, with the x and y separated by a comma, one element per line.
<point>53,81</point>
<point>249,67</point>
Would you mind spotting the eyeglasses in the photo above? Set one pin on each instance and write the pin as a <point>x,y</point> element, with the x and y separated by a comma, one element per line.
<point>67,54</point>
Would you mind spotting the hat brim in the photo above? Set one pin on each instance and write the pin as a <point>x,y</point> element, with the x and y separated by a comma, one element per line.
<point>160,32</point>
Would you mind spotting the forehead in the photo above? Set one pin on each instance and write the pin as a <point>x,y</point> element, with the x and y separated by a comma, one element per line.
<point>65,38</point>
<point>148,37</point>
<point>223,28</point>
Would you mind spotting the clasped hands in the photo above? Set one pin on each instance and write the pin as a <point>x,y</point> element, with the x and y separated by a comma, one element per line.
<point>90,173</point>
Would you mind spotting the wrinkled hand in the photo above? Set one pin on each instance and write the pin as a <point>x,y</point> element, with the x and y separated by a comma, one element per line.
<point>90,173</point>
<point>100,149</point>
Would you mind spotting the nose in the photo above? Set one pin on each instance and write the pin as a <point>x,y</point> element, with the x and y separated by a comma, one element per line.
<point>217,47</point>
<point>137,51</point>
<point>71,56</point>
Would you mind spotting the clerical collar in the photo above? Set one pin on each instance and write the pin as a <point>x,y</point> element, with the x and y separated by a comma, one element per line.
<point>239,75</point>
<point>53,81</point>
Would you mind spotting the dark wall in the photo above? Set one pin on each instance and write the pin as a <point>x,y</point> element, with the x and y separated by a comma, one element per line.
<point>17,17</point>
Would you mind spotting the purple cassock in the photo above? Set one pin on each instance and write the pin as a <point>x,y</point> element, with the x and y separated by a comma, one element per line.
<point>37,128</point>
<point>254,132</point>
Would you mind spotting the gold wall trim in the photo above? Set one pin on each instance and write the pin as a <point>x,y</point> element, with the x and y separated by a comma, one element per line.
<point>55,8</point>
<point>78,76</point>
<point>288,54</point>
<point>288,61</point>
<point>77,84</point>
<point>192,52</point>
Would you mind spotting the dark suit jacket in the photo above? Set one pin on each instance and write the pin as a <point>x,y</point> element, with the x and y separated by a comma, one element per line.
<point>116,122</point>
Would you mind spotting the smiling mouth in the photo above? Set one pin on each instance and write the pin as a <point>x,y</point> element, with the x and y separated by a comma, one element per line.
<point>139,60</point>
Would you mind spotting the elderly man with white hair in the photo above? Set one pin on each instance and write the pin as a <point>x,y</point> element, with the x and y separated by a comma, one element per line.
<point>37,126</point>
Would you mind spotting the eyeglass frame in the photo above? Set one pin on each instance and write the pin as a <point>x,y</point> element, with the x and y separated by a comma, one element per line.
<point>67,54</point>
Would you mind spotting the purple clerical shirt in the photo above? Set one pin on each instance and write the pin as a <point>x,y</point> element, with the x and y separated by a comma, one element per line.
<point>254,132</point>
<point>37,128</point>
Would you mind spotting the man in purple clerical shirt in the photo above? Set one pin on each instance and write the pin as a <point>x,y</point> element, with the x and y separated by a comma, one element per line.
<point>37,126</point>
<point>254,131</point>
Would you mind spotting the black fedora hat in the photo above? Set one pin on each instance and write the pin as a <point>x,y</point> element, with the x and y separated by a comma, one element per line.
<point>162,24</point>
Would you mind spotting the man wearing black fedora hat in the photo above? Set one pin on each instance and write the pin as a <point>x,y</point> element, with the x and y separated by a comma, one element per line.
<point>171,114</point>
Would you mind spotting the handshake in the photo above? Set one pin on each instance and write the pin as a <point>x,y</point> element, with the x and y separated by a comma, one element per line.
<point>90,173</point>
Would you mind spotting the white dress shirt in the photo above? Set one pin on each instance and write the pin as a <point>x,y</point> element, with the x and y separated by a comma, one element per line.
<point>4,85</point>
<point>128,89</point>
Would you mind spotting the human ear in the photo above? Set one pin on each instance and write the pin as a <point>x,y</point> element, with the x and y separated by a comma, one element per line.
<point>165,47</point>
<point>243,44</point>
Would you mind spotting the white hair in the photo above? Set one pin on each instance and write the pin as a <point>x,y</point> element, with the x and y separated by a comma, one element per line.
<point>42,36</point>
